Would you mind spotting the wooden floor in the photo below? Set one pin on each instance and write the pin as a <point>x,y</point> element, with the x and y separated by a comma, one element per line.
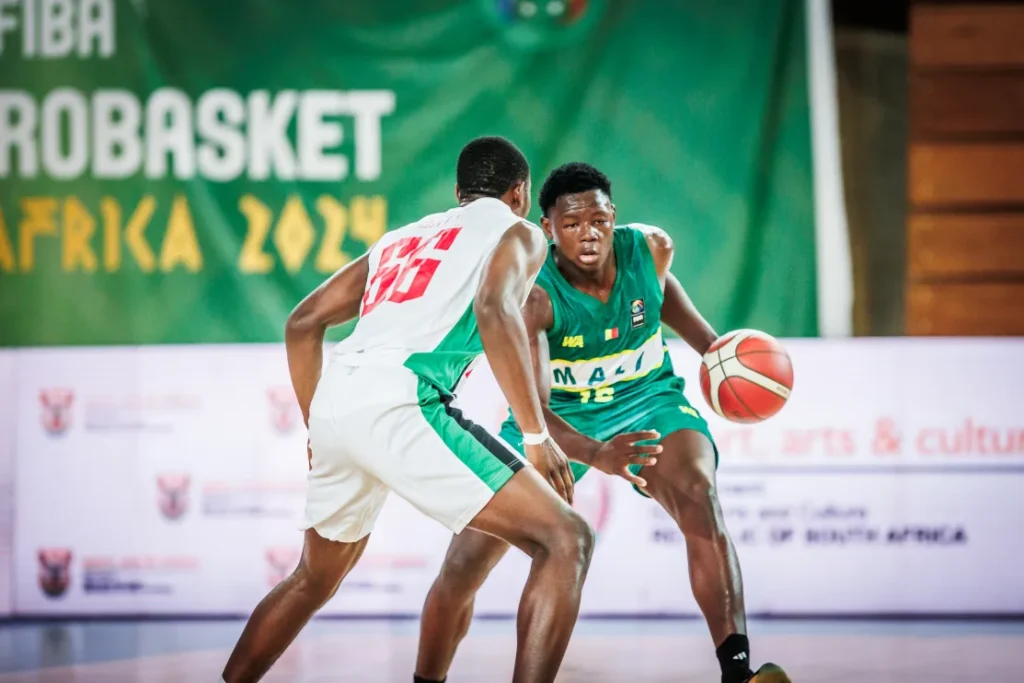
<point>634,652</point>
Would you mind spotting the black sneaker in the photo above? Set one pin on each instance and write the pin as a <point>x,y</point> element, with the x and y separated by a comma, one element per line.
<point>769,673</point>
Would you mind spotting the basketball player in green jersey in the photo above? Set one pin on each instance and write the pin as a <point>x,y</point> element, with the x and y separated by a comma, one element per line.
<point>594,319</point>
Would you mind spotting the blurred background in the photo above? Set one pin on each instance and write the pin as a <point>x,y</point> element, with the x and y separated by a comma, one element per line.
<point>175,176</point>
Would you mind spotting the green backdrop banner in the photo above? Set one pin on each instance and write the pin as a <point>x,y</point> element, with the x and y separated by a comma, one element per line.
<point>178,172</point>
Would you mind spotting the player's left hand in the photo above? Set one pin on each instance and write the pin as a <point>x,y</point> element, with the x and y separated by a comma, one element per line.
<point>618,453</point>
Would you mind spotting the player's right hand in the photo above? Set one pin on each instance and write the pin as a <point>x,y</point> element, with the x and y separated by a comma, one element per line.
<point>552,464</point>
<point>617,454</point>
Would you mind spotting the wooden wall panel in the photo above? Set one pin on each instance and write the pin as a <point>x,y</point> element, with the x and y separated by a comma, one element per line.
<point>966,246</point>
<point>967,35</point>
<point>957,309</point>
<point>944,105</point>
<point>958,174</point>
<point>965,230</point>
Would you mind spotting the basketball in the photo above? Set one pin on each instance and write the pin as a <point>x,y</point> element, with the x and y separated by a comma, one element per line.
<point>746,376</point>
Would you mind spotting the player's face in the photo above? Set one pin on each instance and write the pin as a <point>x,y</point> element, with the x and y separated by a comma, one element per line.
<point>581,227</point>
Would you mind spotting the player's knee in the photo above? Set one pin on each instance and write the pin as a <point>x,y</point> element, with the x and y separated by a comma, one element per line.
<point>460,574</point>
<point>696,507</point>
<point>571,539</point>
<point>317,585</point>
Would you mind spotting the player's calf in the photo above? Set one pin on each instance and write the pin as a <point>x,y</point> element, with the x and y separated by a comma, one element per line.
<point>527,513</point>
<point>448,610</point>
<point>285,610</point>
<point>684,484</point>
<point>551,599</point>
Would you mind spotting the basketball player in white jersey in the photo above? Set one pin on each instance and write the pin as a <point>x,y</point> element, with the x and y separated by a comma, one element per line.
<point>430,297</point>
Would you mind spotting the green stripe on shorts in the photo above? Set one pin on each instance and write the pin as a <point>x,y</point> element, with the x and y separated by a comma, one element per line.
<point>484,455</point>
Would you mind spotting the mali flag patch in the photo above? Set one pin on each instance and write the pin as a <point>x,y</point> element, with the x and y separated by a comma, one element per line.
<point>612,333</point>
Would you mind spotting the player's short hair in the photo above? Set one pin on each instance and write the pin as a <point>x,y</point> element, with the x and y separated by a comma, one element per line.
<point>570,179</point>
<point>489,167</point>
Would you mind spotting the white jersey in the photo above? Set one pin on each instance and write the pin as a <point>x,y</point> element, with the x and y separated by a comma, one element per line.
<point>417,309</point>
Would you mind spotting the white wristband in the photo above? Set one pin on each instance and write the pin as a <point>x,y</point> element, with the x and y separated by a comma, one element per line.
<point>535,439</point>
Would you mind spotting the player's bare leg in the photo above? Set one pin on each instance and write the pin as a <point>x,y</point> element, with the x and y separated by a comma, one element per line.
<point>448,610</point>
<point>683,482</point>
<point>527,513</point>
<point>281,615</point>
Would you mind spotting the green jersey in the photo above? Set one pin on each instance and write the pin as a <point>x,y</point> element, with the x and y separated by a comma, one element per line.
<point>610,368</point>
<point>608,358</point>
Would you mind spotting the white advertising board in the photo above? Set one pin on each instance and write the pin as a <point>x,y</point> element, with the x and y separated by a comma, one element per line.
<point>7,426</point>
<point>169,480</point>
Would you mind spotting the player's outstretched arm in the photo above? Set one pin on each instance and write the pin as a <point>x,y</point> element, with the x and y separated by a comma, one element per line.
<point>611,457</point>
<point>334,302</point>
<point>677,311</point>
<point>499,317</point>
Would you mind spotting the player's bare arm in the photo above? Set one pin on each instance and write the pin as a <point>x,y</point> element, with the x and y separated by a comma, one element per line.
<point>334,302</point>
<point>677,311</point>
<point>611,457</point>
<point>512,265</point>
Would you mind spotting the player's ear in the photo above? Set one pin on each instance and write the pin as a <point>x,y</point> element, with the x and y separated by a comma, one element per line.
<point>521,198</point>
<point>458,194</point>
<point>613,214</point>
<point>545,225</point>
<point>521,194</point>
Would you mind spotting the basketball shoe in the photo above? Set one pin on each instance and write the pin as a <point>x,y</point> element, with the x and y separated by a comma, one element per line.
<point>769,673</point>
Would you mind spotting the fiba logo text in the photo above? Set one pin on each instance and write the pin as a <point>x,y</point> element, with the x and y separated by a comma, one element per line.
<point>284,410</point>
<point>54,571</point>
<point>172,490</point>
<point>55,407</point>
<point>280,563</point>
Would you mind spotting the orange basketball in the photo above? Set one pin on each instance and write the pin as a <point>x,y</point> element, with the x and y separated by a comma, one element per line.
<point>746,376</point>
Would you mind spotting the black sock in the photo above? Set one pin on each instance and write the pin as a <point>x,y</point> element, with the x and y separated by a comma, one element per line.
<point>734,658</point>
<point>421,679</point>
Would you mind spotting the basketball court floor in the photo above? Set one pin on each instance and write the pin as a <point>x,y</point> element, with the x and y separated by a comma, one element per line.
<point>602,651</point>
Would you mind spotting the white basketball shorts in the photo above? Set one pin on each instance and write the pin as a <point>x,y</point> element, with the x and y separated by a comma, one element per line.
<point>377,429</point>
